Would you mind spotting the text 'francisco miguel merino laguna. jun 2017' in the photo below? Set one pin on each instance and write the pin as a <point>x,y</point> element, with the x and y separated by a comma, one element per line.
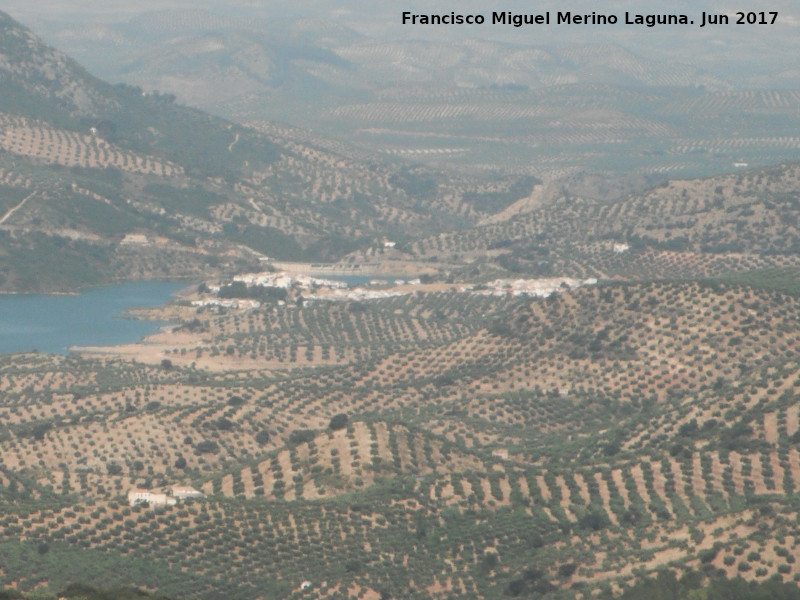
<point>702,19</point>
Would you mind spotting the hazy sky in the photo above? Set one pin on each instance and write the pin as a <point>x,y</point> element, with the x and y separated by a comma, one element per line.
<point>749,48</point>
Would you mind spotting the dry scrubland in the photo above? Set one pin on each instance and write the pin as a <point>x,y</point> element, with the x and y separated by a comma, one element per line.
<point>591,436</point>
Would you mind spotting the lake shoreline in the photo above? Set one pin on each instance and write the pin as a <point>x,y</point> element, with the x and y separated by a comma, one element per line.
<point>105,315</point>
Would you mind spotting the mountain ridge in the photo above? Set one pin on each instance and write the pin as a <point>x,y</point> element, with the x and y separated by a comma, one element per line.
<point>172,172</point>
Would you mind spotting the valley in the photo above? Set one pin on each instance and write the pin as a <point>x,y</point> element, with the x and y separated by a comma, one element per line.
<point>521,359</point>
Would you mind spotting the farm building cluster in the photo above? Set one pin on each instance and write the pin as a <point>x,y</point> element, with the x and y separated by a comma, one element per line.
<point>151,498</point>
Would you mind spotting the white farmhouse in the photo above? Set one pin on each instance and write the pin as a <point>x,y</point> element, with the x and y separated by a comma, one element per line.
<point>140,496</point>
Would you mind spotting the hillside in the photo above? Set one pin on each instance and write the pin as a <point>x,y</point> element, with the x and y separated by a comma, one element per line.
<point>102,182</point>
<point>445,442</point>
<point>480,99</point>
<point>581,387</point>
<point>744,221</point>
<point>129,184</point>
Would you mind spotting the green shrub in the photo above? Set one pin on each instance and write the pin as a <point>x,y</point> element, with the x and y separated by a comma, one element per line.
<point>207,447</point>
<point>338,422</point>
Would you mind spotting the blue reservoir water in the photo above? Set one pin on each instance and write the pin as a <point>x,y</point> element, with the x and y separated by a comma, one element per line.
<point>95,317</point>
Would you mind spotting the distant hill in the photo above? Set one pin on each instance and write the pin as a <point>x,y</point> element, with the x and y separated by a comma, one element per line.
<point>634,433</point>
<point>105,181</point>
<point>742,221</point>
<point>486,99</point>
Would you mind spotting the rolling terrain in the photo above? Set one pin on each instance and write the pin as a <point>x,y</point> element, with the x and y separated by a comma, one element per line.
<point>420,446</point>
<point>454,435</point>
<point>542,101</point>
<point>103,182</point>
